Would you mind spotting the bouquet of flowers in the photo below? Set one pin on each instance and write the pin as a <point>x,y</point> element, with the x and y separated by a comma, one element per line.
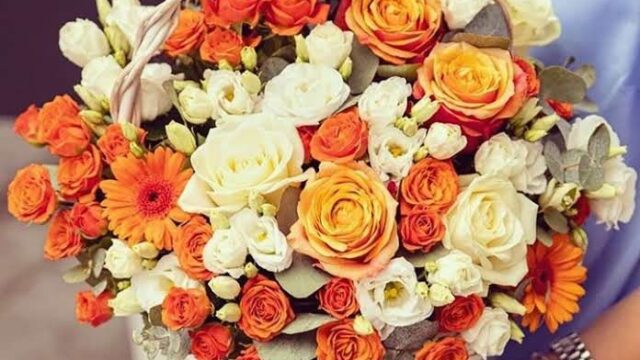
<point>299,179</point>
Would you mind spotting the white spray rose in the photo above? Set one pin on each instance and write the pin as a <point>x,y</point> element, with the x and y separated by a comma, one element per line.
<point>621,207</point>
<point>444,141</point>
<point>390,299</point>
<point>267,244</point>
<point>155,99</point>
<point>391,152</point>
<point>493,224</point>
<point>383,103</point>
<point>491,333</point>
<point>82,41</point>
<point>459,13</point>
<point>196,105</point>
<point>305,94</point>
<point>227,94</point>
<point>267,158</point>
<point>122,261</point>
<point>125,303</point>
<point>100,75</point>
<point>533,21</point>
<point>328,45</point>
<point>457,272</point>
<point>226,253</point>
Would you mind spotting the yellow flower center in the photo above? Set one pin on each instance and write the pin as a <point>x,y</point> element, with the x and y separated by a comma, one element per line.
<point>396,150</point>
<point>392,290</point>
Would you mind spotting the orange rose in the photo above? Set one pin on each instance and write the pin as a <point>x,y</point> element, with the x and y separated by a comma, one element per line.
<point>189,34</point>
<point>338,298</point>
<point>432,184</point>
<point>93,310</point>
<point>228,12</point>
<point>339,341</point>
<point>533,83</point>
<point>563,109</point>
<point>398,31</point>
<point>341,138</point>
<point>185,309</point>
<point>189,243</point>
<point>28,126</point>
<point>346,221</point>
<point>31,197</point>
<point>461,314</point>
<point>288,17</point>
<point>478,88</point>
<point>266,310</point>
<point>445,349</point>
<point>113,144</point>
<point>80,175</point>
<point>62,128</point>
<point>212,342</point>
<point>222,44</point>
<point>306,134</point>
<point>63,239</point>
<point>250,353</point>
<point>89,220</point>
<point>421,229</point>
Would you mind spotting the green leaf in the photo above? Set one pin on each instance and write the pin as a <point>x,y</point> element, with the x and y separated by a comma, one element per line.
<point>556,221</point>
<point>482,41</point>
<point>365,66</point>
<point>271,67</point>
<point>591,175</point>
<point>571,163</point>
<point>155,316</point>
<point>553,159</point>
<point>588,74</point>
<point>544,237</point>
<point>306,322</point>
<point>488,29</point>
<point>100,287</point>
<point>76,274</point>
<point>302,279</point>
<point>99,257</point>
<point>412,337</point>
<point>287,347</point>
<point>559,83</point>
<point>586,106</point>
<point>407,71</point>
<point>288,212</point>
<point>287,53</point>
<point>599,143</point>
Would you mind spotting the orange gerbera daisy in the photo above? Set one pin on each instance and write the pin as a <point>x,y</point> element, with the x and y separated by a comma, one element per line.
<point>141,203</point>
<point>555,275</point>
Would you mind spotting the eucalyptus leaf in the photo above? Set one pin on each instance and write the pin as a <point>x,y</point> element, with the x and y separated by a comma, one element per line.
<point>544,237</point>
<point>559,83</point>
<point>306,322</point>
<point>155,316</point>
<point>100,287</point>
<point>287,347</point>
<point>288,212</point>
<point>287,53</point>
<point>76,274</point>
<point>571,163</point>
<point>553,159</point>
<point>302,279</point>
<point>365,66</point>
<point>565,129</point>
<point>99,257</point>
<point>271,68</point>
<point>483,41</point>
<point>350,102</point>
<point>491,21</point>
<point>588,74</point>
<point>407,71</point>
<point>412,337</point>
<point>556,221</point>
<point>599,143</point>
<point>586,106</point>
<point>591,175</point>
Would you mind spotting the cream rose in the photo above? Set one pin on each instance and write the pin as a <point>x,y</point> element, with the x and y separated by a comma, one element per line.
<point>305,94</point>
<point>227,94</point>
<point>125,303</point>
<point>258,155</point>
<point>82,41</point>
<point>383,103</point>
<point>390,299</point>
<point>491,333</point>
<point>444,141</point>
<point>155,99</point>
<point>391,152</point>
<point>533,21</point>
<point>457,272</point>
<point>621,207</point>
<point>99,76</point>
<point>493,224</point>
<point>328,45</point>
<point>226,252</point>
<point>122,261</point>
<point>459,13</point>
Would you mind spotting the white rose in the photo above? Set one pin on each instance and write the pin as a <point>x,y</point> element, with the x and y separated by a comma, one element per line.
<point>227,94</point>
<point>100,75</point>
<point>459,13</point>
<point>152,286</point>
<point>128,15</point>
<point>391,152</point>
<point>155,99</point>
<point>583,129</point>
<point>518,161</point>
<point>305,94</point>
<point>533,22</point>
<point>390,298</point>
<point>493,224</point>
<point>225,253</point>
<point>267,244</point>
<point>122,261</point>
<point>82,41</point>
<point>444,141</point>
<point>328,45</point>
<point>196,105</point>
<point>457,271</point>
<point>491,333</point>
<point>125,303</point>
<point>267,158</point>
<point>383,103</point>
<point>621,207</point>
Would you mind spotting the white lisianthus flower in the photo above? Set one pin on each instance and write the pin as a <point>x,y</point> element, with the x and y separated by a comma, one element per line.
<point>267,245</point>
<point>493,224</point>
<point>459,13</point>
<point>152,286</point>
<point>328,45</point>
<point>390,299</point>
<point>457,272</point>
<point>383,103</point>
<point>125,303</point>
<point>305,94</point>
<point>444,141</point>
<point>391,152</point>
<point>99,76</point>
<point>155,99</point>
<point>229,97</point>
<point>82,41</point>
<point>621,207</point>
<point>122,261</point>
<point>491,333</point>
<point>533,21</point>
<point>226,253</point>
<point>196,105</point>
<point>266,159</point>
<point>128,15</point>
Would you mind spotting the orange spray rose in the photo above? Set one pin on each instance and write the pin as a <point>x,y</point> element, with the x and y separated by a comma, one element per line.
<point>63,239</point>
<point>533,83</point>
<point>266,310</point>
<point>80,175</point>
<point>89,220</point>
<point>31,196</point>
<point>113,144</point>
<point>339,341</point>
<point>189,243</point>
<point>338,298</point>
<point>185,309</point>
<point>445,349</point>
<point>189,34</point>
<point>432,184</point>
<point>225,13</point>
<point>250,353</point>
<point>222,44</point>
<point>28,126</point>
<point>461,314</point>
<point>93,310</point>
<point>341,138</point>
<point>62,128</point>
<point>288,17</point>
<point>212,342</point>
<point>421,229</point>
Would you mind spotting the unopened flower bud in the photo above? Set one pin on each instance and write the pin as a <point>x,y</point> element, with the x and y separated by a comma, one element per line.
<point>346,69</point>
<point>123,284</point>
<point>301,48</point>
<point>616,151</point>
<point>229,312</point>
<point>535,135</point>
<point>516,333</point>
<point>545,123</point>
<point>580,238</point>
<point>129,131</point>
<point>430,266</point>
<point>120,57</point>
<point>606,191</point>
<point>92,117</point>
<point>422,153</point>
<point>104,8</point>
<point>256,200</point>
<point>440,295</point>
<point>136,149</point>
<point>507,303</point>
<point>424,110</point>
<point>88,98</point>
<point>560,197</point>
<point>249,57</point>
<point>181,138</point>
<point>362,326</point>
<point>225,287</point>
<point>408,126</point>
<point>527,113</point>
<point>251,82</point>
<point>117,39</point>
<point>422,289</point>
<point>250,270</point>
<point>146,250</point>
<point>268,210</point>
<point>224,64</point>
<point>149,264</point>
<point>195,104</point>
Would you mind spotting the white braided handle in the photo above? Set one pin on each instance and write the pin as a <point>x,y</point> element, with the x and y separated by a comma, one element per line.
<point>150,36</point>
